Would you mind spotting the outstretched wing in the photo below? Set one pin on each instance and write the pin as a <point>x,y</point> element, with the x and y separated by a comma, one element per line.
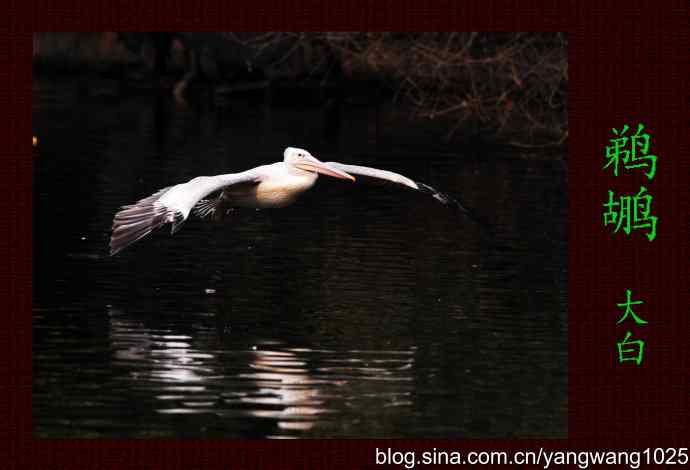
<point>169,205</point>
<point>397,178</point>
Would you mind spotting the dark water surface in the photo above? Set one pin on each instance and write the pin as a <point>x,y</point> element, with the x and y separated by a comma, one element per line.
<point>357,312</point>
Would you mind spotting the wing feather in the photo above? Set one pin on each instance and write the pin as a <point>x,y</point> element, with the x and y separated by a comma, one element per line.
<point>169,205</point>
<point>206,207</point>
<point>385,175</point>
<point>375,173</point>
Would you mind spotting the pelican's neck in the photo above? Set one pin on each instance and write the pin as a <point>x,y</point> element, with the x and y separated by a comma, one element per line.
<point>308,177</point>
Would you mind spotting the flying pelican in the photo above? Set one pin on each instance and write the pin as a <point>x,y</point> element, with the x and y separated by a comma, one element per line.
<point>267,186</point>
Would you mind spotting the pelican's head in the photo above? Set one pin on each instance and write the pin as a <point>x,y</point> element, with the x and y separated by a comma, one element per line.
<point>303,160</point>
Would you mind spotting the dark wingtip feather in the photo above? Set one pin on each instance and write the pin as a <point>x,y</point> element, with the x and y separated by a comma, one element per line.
<point>452,202</point>
<point>441,197</point>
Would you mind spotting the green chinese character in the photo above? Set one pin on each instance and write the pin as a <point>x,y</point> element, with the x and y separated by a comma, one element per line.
<point>641,141</point>
<point>630,350</point>
<point>615,152</point>
<point>631,212</point>
<point>636,156</point>
<point>628,309</point>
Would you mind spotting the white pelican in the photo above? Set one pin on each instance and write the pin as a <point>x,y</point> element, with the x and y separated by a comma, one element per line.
<point>267,186</point>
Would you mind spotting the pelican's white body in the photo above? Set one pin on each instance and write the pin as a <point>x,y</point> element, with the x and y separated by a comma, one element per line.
<point>279,186</point>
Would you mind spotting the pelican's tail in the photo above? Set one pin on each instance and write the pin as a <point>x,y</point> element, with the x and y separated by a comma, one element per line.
<point>135,221</point>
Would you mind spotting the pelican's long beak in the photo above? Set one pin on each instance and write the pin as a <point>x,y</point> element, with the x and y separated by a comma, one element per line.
<point>312,164</point>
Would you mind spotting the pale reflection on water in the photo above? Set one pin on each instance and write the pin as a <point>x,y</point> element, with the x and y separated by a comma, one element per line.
<point>357,312</point>
<point>292,386</point>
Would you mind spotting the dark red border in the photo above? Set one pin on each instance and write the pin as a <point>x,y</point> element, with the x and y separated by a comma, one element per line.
<point>627,64</point>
